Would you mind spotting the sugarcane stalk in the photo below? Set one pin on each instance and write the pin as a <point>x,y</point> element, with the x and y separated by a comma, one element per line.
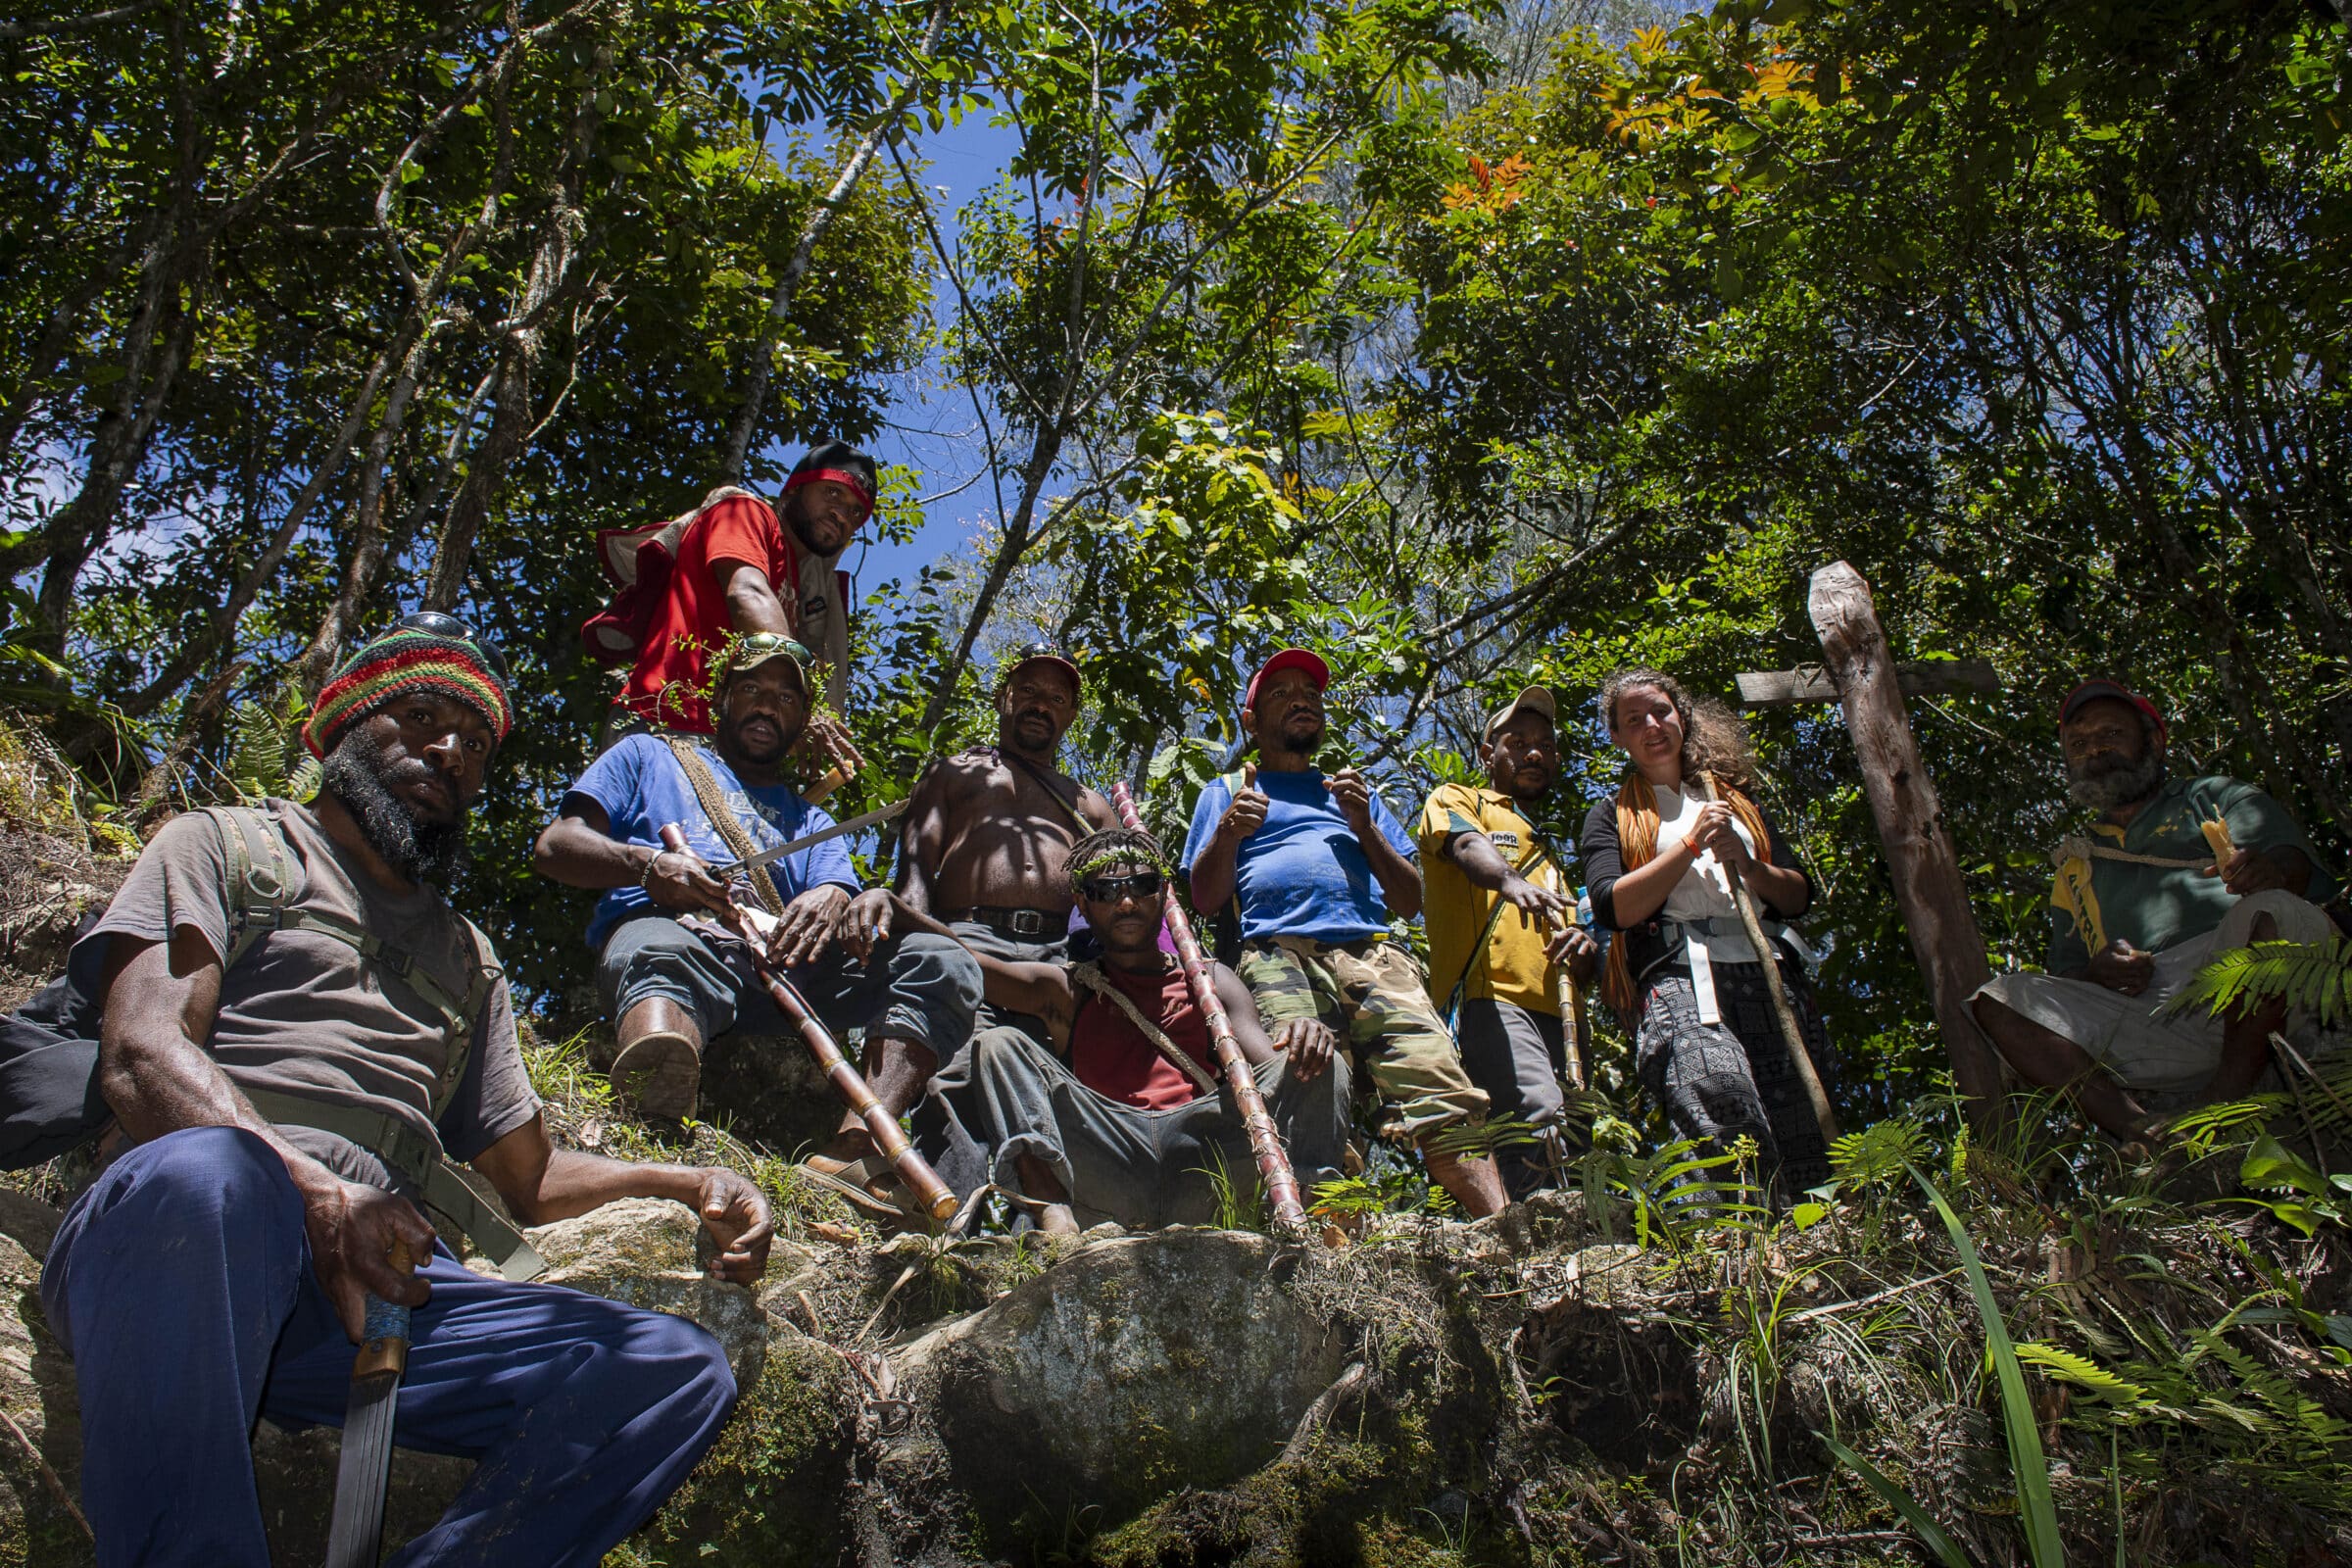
<point>1783,1010</point>
<point>1265,1143</point>
<point>922,1180</point>
<point>1572,1021</point>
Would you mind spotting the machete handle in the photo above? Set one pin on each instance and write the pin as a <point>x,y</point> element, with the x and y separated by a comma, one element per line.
<point>384,1335</point>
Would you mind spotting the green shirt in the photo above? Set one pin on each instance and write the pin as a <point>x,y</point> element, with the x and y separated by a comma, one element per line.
<point>2155,906</point>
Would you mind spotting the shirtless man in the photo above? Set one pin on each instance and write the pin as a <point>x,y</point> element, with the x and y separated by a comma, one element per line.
<point>988,834</point>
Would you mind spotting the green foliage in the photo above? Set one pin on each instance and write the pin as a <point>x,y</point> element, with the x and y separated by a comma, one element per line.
<point>1879,1155</point>
<point>2313,980</point>
<point>2311,1198</point>
<point>2038,1513</point>
<point>265,753</point>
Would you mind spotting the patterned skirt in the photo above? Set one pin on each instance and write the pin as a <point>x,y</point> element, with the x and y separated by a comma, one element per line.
<point>1717,1082</point>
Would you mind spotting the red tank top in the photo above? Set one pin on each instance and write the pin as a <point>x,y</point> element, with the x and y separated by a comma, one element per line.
<point>1112,1056</point>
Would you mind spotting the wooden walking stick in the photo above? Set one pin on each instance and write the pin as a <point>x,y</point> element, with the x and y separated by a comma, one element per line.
<point>1761,946</point>
<point>1273,1165</point>
<point>1572,1014</point>
<point>754,926</point>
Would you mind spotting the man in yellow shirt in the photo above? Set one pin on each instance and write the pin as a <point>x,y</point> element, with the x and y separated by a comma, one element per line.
<point>1492,968</point>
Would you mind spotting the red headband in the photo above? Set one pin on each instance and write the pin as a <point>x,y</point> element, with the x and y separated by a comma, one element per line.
<point>838,476</point>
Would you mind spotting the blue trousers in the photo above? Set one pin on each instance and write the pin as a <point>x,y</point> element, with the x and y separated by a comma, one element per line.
<point>181,1285</point>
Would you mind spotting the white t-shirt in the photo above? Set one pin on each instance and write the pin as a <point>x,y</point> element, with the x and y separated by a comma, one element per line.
<point>1705,890</point>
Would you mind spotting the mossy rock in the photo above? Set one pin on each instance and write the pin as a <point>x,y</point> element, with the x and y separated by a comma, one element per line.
<point>770,1493</point>
<point>1135,1367</point>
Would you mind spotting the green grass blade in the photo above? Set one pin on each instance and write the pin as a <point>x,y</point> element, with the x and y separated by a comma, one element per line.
<point>1938,1540</point>
<point>2036,1507</point>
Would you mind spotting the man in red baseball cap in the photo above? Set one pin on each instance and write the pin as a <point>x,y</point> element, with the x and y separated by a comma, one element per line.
<point>1316,866</point>
<point>2170,873</point>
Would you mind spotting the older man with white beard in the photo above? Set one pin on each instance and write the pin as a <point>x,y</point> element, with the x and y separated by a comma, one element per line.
<point>2139,904</point>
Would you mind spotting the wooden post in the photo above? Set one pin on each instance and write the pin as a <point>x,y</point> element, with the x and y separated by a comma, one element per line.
<point>1919,850</point>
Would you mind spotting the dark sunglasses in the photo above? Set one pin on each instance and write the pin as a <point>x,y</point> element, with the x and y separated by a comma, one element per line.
<point>446,625</point>
<point>1111,888</point>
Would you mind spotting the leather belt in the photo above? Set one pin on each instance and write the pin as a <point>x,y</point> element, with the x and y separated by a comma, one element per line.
<point>1035,924</point>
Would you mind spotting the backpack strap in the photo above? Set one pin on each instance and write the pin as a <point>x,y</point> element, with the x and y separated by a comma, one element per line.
<point>255,848</point>
<point>256,851</point>
<point>445,1185</point>
<point>254,842</point>
<point>1089,977</point>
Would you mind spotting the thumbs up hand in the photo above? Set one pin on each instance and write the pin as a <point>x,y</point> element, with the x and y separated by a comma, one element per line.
<point>1247,813</point>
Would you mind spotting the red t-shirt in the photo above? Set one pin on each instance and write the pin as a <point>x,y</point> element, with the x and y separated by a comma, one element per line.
<point>1110,1056</point>
<point>691,622</point>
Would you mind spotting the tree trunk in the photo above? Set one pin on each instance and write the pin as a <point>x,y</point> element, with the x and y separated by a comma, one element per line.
<point>1919,849</point>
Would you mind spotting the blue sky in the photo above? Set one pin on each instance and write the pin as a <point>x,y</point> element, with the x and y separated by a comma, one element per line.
<point>930,428</point>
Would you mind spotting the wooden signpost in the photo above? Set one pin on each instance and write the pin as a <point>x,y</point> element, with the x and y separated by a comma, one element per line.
<point>1859,672</point>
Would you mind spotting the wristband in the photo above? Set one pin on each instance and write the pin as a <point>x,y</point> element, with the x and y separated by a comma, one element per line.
<point>645,875</point>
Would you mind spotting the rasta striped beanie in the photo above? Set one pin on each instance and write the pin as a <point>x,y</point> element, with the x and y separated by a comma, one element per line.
<point>404,659</point>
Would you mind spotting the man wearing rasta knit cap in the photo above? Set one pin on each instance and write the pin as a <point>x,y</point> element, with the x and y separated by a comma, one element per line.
<point>297,1038</point>
<point>729,569</point>
<point>426,652</point>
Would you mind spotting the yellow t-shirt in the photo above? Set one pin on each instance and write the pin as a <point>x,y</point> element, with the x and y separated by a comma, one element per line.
<point>1513,968</point>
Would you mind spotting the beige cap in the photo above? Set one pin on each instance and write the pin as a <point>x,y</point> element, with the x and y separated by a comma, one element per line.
<point>1535,698</point>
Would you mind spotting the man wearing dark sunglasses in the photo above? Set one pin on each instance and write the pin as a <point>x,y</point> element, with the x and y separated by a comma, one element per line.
<point>1117,1117</point>
<point>988,834</point>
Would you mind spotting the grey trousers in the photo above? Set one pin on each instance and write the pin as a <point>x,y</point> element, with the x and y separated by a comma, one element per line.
<point>1517,1056</point>
<point>1142,1168</point>
<point>919,987</point>
<point>1012,950</point>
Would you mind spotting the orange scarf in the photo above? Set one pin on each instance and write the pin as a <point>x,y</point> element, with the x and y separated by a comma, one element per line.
<point>1637,846</point>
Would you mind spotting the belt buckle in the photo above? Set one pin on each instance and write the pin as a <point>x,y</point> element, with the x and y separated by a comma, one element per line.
<point>1027,923</point>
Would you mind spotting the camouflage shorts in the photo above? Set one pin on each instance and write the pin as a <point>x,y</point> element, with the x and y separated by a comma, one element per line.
<point>1372,995</point>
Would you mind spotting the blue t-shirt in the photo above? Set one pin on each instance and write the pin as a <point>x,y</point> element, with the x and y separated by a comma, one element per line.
<point>1301,873</point>
<point>641,785</point>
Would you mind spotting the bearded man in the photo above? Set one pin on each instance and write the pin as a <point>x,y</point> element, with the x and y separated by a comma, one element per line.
<point>2139,906</point>
<point>297,1034</point>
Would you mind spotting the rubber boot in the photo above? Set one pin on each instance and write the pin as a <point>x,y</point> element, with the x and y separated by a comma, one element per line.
<point>660,1067</point>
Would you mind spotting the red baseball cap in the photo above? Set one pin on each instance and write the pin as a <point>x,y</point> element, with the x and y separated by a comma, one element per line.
<point>2092,691</point>
<point>1043,654</point>
<point>1288,659</point>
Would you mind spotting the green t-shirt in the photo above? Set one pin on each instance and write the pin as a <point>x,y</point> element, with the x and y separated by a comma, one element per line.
<point>2155,906</point>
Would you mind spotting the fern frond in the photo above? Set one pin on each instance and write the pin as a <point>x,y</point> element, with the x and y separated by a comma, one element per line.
<point>2083,1372</point>
<point>2313,978</point>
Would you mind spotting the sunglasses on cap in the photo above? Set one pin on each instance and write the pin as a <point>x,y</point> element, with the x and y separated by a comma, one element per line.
<point>441,624</point>
<point>759,645</point>
<point>1111,888</point>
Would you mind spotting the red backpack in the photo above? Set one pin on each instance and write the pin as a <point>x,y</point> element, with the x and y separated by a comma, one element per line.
<point>639,561</point>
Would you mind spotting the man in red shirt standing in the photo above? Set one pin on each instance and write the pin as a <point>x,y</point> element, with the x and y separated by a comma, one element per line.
<point>1123,1120</point>
<point>728,568</point>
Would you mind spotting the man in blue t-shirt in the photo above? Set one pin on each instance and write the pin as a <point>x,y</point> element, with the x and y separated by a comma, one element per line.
<point>670,990</point>
<point>1316,866</point>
